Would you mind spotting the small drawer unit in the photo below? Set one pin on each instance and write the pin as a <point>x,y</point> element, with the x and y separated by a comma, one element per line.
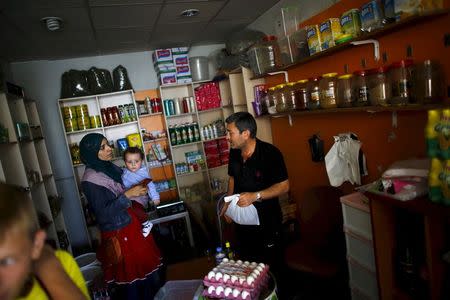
<point>356,213</point>
<point>360,249</point>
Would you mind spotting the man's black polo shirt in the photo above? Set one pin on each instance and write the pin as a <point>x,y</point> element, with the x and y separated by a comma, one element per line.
<point>264,168</point>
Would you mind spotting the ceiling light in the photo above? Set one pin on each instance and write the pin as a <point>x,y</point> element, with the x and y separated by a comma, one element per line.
<point>52,23</point>
<point>191,12</point>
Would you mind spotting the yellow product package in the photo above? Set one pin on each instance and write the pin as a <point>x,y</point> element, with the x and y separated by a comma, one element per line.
<point>134,140</point>
<point>314,39</point>
<point>330,29</point>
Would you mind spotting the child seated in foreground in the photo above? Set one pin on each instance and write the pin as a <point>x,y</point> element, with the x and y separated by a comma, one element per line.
<point>29,269</point>
<point>135,173</point>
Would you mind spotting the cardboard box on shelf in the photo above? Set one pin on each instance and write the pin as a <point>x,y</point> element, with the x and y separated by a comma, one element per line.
<point>181,59</point>
<point>162,56</point>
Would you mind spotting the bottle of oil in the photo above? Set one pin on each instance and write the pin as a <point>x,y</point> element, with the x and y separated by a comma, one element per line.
<point>228,252</point>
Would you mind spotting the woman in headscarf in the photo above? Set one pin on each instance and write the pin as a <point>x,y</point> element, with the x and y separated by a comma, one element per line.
<point>129,260</point>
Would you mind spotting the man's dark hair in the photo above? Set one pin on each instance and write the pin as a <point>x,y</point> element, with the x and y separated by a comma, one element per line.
<point>243,121</point>
<point>133,150</point>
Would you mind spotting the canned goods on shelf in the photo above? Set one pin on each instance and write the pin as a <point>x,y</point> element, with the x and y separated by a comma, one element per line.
<point>69,112</point>
<point>95,121</point>
<point>83,123</point>
<point>82,110</point>
<point>70,125</point>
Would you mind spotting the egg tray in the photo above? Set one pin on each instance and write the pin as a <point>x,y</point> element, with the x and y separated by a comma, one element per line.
<point>236,280</point>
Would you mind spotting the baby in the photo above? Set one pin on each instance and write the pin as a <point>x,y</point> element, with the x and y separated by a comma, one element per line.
<point>135,173</point>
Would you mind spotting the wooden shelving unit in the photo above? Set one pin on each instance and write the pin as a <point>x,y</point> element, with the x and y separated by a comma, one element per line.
<point>383,225</point>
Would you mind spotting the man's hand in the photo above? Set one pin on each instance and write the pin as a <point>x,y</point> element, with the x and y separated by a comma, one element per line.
<point>246,199</point>
<point>223,211</point>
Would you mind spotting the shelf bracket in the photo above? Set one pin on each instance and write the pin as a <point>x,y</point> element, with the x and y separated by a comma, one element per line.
<point>285,73</point>
<point>291,122</point>
<point>376,46</point>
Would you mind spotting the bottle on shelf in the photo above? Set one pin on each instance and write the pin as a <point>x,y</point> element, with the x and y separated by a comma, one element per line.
<point>219,255</point>
<point>228,251</point>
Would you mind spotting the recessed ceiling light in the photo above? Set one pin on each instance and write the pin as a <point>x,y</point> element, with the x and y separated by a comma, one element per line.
<point>52,23</point>
<point>191,12</point>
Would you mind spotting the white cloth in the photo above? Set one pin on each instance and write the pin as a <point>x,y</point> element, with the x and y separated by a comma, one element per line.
<point>342,160</point>
<point>247,215</point>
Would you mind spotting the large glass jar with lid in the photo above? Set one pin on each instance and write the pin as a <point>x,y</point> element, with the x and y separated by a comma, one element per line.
<point>271,100</point>
<point>379,86</point>
<point>282,98</point>
<point>291,96</point>
<point>360,88</point>
<point>400,75</point>
<point>313,88</point>
<point>327,90</point>
<point>302,94</point>
<point>428,82</point>
<point>265,56</point>
<point>344,91</point>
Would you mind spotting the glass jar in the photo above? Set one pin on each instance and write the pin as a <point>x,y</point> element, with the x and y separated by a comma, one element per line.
<point>344,91</point>
<point>428,82</point>
<point>400,75</point>
<point>292,101</point>
<point>379,86</point>
<point>327,88</point>
<point>282,98</point>
<point>271,100</point>
<point>265,56</point>
<point>360,88</point>
<point>302,94</point>
<point>313,88</point>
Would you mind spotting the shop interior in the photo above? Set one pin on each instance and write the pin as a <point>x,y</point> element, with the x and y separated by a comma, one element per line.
<point>321,78</point>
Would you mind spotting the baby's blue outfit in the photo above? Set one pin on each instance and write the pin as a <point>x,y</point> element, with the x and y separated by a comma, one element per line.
<point>132,178</point>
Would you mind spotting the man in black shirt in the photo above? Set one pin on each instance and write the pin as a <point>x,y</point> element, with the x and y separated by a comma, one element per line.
<point>258,174</point>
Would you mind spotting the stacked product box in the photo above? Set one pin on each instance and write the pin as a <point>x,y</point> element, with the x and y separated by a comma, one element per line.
<point>217,153</point>
<point>181,62</point>
<point>172,65</point>
<point>164,66</point>
<point>207,96</point>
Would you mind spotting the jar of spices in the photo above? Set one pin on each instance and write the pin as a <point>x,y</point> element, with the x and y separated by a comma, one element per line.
<point>313,88</point>
<point>291,96</point>
<point>428,82</point>
<point>344,91</point>
<point>327,87</point>
<point>379,86</point>
<point>360,88</point>
<point>400,75</point>
<point>302,94</point>
<point>282,98</point>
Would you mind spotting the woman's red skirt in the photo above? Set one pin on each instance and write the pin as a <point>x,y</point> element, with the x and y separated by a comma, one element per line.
<point>140,255</point>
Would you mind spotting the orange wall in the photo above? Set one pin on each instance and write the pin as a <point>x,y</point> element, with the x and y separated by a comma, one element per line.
<point>373,130</point>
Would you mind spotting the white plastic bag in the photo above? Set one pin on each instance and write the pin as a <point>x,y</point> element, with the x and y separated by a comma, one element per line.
<point>247,215</point>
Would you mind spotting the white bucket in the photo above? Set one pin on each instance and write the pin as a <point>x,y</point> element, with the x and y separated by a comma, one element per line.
<point>87,260</point>
<point>199,68</point>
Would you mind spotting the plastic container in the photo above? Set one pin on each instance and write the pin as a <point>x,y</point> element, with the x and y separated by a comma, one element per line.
<point>400,76</point>
<point>302,94</point>
<point>199,68</point>
<point>87,260</point>
<point>290,16</point>
<point>351,23</point>
<point>314,91</point>
<point>344,91</point>
<point>371,16</point>
<point>288,51</point>
<point>300,42</point>
<point>379,86</point>
<point>179,289</point>
<point>356,214</point>
<point>327,87</point>
<point>428,82</point>
<point>220,255</point>
<point>361,249</point>
<point>265,55</point>
<point>360,88</point>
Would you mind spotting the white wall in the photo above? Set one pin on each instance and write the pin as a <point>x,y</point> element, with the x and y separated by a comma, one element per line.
<point>41,81</point>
